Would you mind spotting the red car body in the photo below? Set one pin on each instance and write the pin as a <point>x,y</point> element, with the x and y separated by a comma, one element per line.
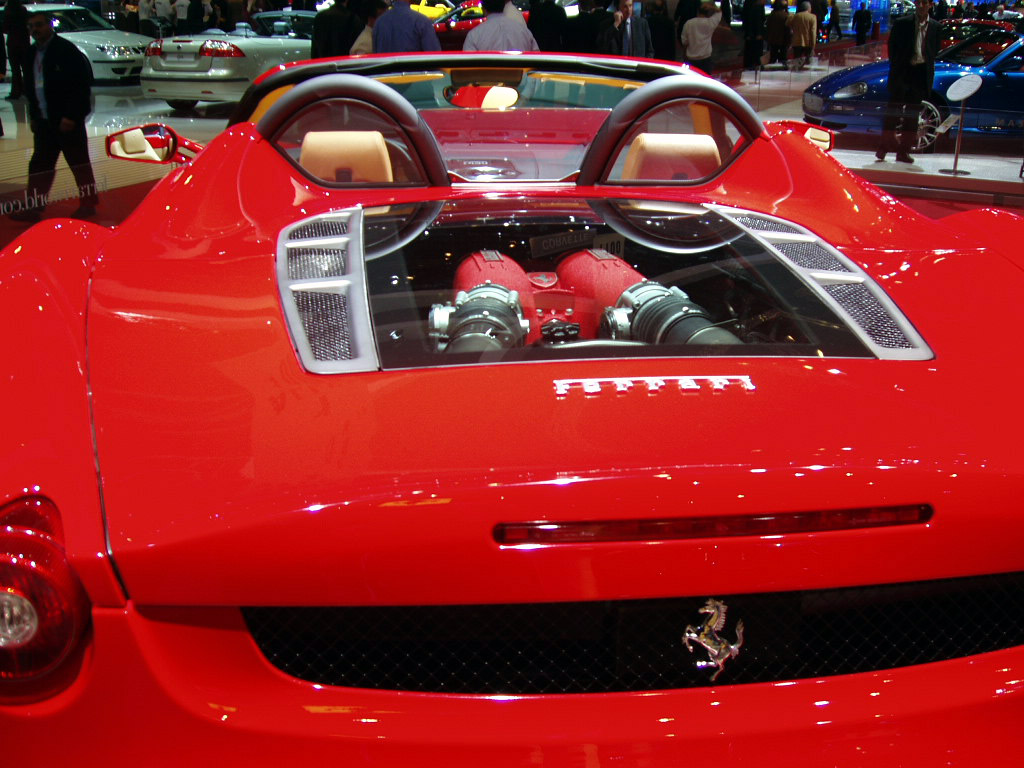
<point>498,511</point>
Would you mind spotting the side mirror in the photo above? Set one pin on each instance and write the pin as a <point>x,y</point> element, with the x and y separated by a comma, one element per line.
<point>153,143</point>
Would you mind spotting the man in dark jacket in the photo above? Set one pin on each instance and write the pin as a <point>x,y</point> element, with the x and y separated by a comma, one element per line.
<point>628,35</point>
<point>58,80</point>
<point>913,43</point>
<point>335,29</point>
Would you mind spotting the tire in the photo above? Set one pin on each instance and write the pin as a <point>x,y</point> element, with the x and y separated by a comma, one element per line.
<point>182,105</point>
<point>928,121</point>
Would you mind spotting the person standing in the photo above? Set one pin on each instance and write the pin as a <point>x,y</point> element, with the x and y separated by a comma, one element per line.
<point>402,29</point>
<point>364,42</point>
<point>804,28</point>
<point>696,37</point>
<point>776,32</point>
<point>335,31</point>
<point>753,33</point>
<point>58,85</point>
<point>16,29</point>
<point>499,32</point>
<point>663,30</point>
<point>834,22</point>
<point>913,43</point>
<point>547,24</point>
<point>862,23</point>
<point>628,35</point>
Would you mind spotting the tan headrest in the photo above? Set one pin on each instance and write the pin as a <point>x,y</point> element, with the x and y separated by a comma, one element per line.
<point>133,144</point>
<point>357,156</point>
<point>671,156</point>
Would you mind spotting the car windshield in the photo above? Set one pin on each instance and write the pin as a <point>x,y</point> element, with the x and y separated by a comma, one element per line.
<point>979,50</point>
<point>77,20</point>
<point>293,25</point>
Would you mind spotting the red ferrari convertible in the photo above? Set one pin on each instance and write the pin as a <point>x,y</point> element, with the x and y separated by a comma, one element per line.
<point>509,410</point>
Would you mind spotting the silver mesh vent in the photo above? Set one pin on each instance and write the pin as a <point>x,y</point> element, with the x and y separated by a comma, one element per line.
<point>325,320</point>
<point>763,224</point>
<point>319,229</point>
<point>848,289</point>
<point>323,293</point>
<point>812,256</point>
<point>869,314</point>
<point>313,263</point>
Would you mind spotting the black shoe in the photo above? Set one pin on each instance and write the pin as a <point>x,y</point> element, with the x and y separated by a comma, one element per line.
<point>903,157</point>
<point>84,212</point>
<point>29,217</point>
<point>880,154</point>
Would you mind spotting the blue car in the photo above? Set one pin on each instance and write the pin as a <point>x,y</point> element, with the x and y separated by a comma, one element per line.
<point>853,100</point>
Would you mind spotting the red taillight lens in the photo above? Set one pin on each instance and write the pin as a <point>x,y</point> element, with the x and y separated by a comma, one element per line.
<point>156,48</point>
<point>44,610</point>
<point>221,49</point>
<point>596,531</point>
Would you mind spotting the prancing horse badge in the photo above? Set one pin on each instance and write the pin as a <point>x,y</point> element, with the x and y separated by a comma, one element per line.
<point>719,649</point>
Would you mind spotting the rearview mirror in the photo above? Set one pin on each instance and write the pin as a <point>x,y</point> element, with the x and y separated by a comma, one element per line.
<point>152,143</point>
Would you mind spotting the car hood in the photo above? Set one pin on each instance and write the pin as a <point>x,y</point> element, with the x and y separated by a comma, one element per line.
<point>108,37</point>
<point>872,73</point>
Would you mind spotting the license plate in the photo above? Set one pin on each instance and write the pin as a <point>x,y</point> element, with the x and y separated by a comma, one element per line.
<point>179,56</point>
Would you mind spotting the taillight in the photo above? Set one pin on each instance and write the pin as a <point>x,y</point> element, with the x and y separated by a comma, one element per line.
<point>156,48</point>
<point>44,610</point>
<point>221,49</point>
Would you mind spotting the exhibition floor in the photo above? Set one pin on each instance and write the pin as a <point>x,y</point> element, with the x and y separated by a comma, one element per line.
<point>990,179</point>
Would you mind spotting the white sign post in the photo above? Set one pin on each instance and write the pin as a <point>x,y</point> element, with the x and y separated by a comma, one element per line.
<point>961,90</point>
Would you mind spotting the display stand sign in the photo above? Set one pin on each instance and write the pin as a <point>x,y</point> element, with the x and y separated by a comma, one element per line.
<point>960,90</point>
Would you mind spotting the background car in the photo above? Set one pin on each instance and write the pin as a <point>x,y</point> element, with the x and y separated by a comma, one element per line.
<point>219,66</point>
<point>853,100</point>
<point>112,53</point>
<point>453,27</point>
<point>433,9</point>
<point>506,410</point>
<point>954,30</point>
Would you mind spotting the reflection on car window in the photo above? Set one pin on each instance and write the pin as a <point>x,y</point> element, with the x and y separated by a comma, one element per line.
<point>980,49</point>
<point>77,20</point>
<point>341,141</point>
<point>684,141</point>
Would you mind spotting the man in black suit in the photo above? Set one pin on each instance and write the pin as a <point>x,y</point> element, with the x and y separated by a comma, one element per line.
<point>913,43</point>
<point>628,35</point>
<point>58,80</point>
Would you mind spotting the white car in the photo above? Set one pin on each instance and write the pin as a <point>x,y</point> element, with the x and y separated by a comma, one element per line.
<point>219,66</point>
<point>112,54</point>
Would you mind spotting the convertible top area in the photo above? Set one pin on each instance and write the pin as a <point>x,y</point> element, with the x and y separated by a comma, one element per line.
<point>512,119</point>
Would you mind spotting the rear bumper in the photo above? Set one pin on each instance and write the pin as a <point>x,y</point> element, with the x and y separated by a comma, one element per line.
<point>196,674</point>
<point>201,87</point>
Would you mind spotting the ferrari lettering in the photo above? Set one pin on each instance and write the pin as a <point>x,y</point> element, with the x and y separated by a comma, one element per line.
<point>652,384</point>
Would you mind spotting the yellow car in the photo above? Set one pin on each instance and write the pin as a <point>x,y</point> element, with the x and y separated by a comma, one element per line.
<point>432,9</point>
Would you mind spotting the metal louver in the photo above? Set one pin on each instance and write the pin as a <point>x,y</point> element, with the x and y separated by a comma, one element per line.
<point>323,292</point>
<point>843,285</point>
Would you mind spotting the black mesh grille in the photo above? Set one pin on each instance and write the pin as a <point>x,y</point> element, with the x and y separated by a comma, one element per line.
<point>313,263</point>
<point>636,645</point>
<point>325,320</point>
<point>870,315</point>
<point>812,256</point>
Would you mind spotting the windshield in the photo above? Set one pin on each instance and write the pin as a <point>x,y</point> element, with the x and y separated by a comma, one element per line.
<point>77,20</point>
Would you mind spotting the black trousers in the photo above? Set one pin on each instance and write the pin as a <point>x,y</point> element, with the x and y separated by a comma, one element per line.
<point>902,112</point>
<point>48,143</point>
